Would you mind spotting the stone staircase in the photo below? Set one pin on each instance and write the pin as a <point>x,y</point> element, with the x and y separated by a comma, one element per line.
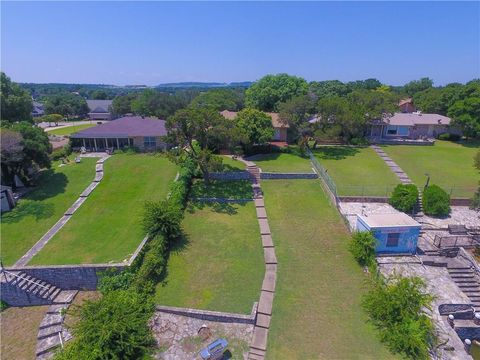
<point>36,287</point>
<point>254,172</point>
<point>465,279</point>
<point>420,204</point>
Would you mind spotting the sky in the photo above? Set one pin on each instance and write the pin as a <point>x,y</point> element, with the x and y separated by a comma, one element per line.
<point>149,43</point>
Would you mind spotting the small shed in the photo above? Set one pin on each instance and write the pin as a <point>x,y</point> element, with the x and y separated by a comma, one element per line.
<point>395,232</point>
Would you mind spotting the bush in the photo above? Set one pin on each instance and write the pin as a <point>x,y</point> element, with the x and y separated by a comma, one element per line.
<point>436,201</point>
<point>404,198</point>
<point>396,306</point>
<point>61,153</point>
<point>153,266</point>
<point>162,218</point>
<point>362,247</point>
<point>114,327</point>
<point>449,136</point>
<point>3,305</point>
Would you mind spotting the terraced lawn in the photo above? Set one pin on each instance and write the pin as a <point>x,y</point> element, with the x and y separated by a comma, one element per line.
<point>56,190</point>
<point>356,170</point>
<point>235,189</point>
<point>219,266</point>
<point>282,162</point>
<point>449,164</point>
<point>107,227</point>
<point>316,310</point>
<point>67,130</point>
<point>230,164</point>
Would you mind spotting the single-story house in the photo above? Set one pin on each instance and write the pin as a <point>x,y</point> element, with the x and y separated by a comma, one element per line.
<point>280,128</point>
<point>414,126</point>
<point>100,109</point>
<point>143,133</point>
<point>37,109</point>
<point>395,232</point>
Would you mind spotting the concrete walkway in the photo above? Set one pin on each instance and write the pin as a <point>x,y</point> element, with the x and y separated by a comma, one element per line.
<point>258,346</point>
<point>392,165</point>
<point>25,259</point>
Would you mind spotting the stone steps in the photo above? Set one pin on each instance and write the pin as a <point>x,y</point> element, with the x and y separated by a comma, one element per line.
<point>32,285</point>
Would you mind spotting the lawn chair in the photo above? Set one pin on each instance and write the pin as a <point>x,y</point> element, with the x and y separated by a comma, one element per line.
<point>78,159</point>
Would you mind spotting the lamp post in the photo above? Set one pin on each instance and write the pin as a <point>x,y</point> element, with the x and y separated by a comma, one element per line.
<point>428,180</point>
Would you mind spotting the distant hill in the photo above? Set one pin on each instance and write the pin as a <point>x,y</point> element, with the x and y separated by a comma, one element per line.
<point>203,85</point>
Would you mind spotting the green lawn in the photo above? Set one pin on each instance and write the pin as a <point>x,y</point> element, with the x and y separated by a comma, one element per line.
<point>219,266</point>
<point>67,130</point>
<point>316,311</point>
<point>107,227</point>
<point>282,162</point>
<point>230,164</point>
<point>449,165</point>
<point>356,170</point>
<point>56,190</point>
<point>236,189</point>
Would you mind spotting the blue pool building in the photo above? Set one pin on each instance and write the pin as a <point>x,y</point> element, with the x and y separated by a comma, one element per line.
<point>396,233</point>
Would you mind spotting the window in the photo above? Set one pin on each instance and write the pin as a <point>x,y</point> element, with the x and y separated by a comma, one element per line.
<point>391,130</point>
<point>392,239</point>
<point>149,141</point>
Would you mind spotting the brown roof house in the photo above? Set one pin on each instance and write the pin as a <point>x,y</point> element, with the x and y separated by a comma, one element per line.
<point>143,133</point>
<point>410,126</point>
<point>100,109</point>
<point>280,128</point>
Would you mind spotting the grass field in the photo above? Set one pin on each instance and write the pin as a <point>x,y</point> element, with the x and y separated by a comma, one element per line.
<point>236,189</point>
<point>19,332</point>
<point>356,171</point>
<point>448,164</point>
<point>316,310</point>
<point>56,190</point>
<point>67,130</point>
<point>107,227</point>
<point>232,165</point>
<point>280,162</point>
<point>219,266</point>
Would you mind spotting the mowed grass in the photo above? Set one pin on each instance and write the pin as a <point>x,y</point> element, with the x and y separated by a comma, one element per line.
<point>67,130</point>
<point>449,165</point>
<point>356,170</point>
<point>230,164</point>
<point>19,329</point>
<point>107,227</point>
<point>56,190</point>
<point>235,189</point>
<point>219,265</point>
<point>316,311</point>
<point>282,162</point>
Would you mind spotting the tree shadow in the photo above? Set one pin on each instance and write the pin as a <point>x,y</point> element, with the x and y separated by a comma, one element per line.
<point>335,152</point>
<point>221,207</point>
<point>469,143</point>
<point>180,245</point>
<point>236,189</point>
<point>49,184</point>
<point>37,209</point>
<point>264,157</point>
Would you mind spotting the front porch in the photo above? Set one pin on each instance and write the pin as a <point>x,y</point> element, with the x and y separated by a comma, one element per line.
<point>101,144</point>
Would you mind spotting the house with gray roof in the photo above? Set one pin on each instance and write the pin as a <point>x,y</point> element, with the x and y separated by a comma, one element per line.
<point>100,109</point>
<point>37,109</point>
<point>143,133</point>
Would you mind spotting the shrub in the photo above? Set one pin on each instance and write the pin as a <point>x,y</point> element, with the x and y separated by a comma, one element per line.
<point>61,153</point>
<point>404,197</point>
<point>162,218</point>
<point>3,305</point>
<point>114,327</point>
<point>449,136</point>
<point>436,201</point>
<point>396,306</point>
<point>362,247</point>
<point>153,265</point>
<point>475,201</point>
<point>111,280</point>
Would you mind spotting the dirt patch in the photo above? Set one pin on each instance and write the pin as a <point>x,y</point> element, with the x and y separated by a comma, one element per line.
<point>19,329</point>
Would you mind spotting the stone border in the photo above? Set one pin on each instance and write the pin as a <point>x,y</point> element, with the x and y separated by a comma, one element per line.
<point>220,200</point>
<point>366,199</point>
<point>230,175</point>
<point>211,315</point>
<point>274,176</point>
<point>40,244</point>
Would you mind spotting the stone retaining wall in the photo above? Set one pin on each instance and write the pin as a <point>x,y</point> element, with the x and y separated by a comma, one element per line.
<point>275,176</point>
<point>211,315</point>
<point>364,199</point>
<point>460,202</point>
<point>68,277</point>
<point>231,175</point>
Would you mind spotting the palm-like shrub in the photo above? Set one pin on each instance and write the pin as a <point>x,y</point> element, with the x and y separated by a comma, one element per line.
<point>436,201</point>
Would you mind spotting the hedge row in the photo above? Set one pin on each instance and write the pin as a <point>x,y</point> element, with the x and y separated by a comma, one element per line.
<point>404,198</point>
